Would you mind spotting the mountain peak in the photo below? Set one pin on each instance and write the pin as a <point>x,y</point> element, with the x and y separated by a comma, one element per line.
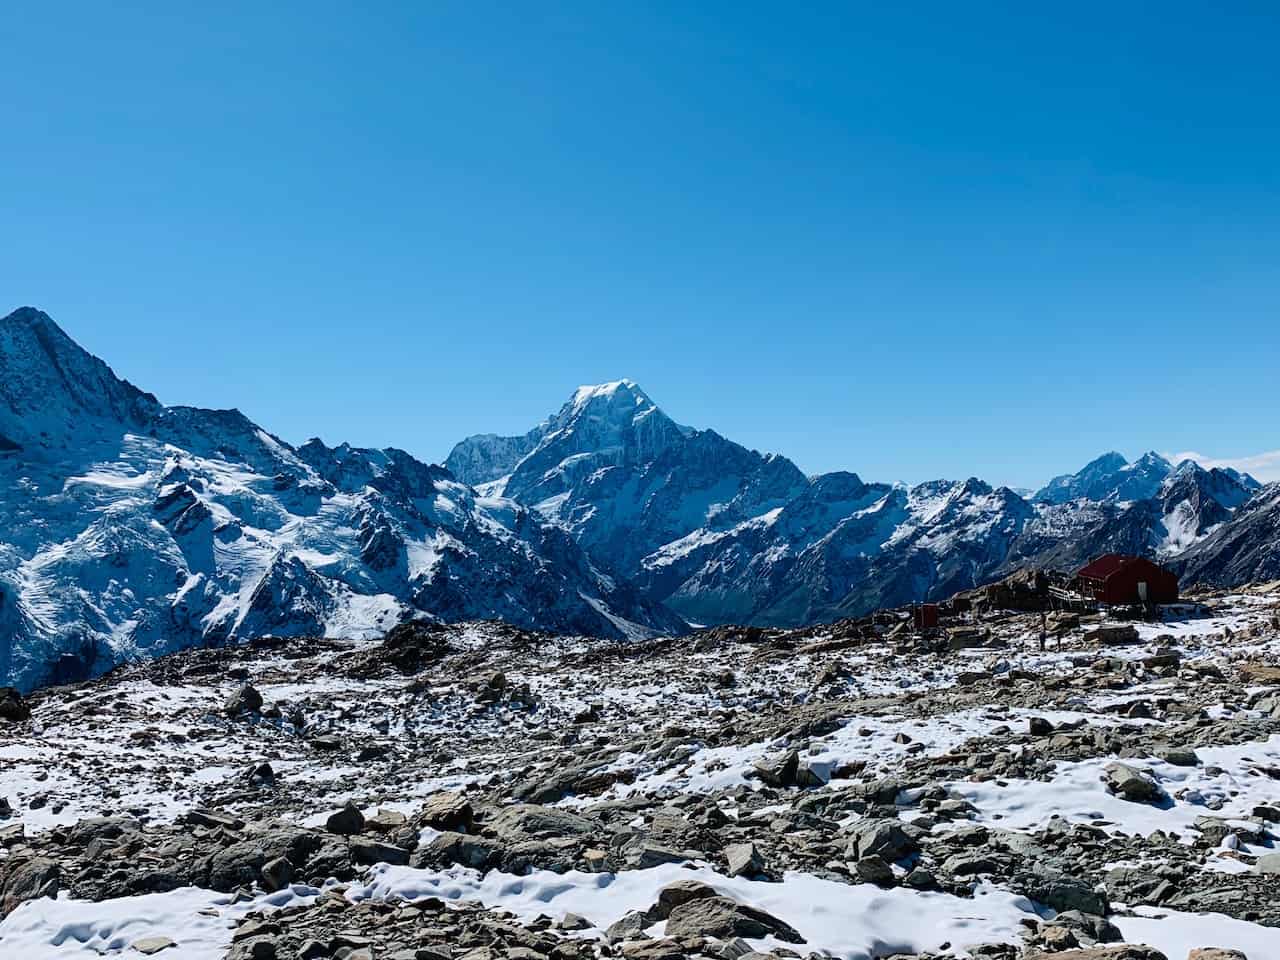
<point>1111,460</point>
<point>620,397</point>
<point>1151,459</point>
<point>26,316</point>
<point>1109,477</point>
<point>51,388</point>
<point>592,391</point>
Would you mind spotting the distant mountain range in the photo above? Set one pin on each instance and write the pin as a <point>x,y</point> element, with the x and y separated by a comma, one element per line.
<point>129,528</point>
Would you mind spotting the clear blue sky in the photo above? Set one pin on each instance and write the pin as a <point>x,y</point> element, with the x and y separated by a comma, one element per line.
<point>951,240</point>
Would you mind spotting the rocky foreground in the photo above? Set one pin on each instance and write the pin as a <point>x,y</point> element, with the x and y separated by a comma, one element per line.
<point>478,792</point>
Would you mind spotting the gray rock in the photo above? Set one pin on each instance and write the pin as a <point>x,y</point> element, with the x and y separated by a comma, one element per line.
<point>724,919</point>
<point>148,946</point>
<point>23,880</point>
<point>744,860</point>
<point>446,811</point>
<point>779,771</point>
<point>449,848</point>
<point>1061,891</point>
<point>367,851</point>
<point>531,821</point>
<point>245,700</point>
<point>675,894</point>
<point>276,874</point>
<point>874,869</point>
<point>240,864</point>
<point>630,927</point>
<point>347,821</point>
<point>884,838</point>
<point>1181,757</point>
<point>1130,784</point>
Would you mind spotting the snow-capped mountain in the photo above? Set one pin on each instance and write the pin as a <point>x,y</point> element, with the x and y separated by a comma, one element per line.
<point>133,528</point>
<point>1110,477</point>
<point>625,479</point>
<point>128,527</point>
<point>1244,549</point>
<point>720,533</point>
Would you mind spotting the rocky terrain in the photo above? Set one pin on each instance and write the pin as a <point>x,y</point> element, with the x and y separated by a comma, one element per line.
<point>1095,791</point>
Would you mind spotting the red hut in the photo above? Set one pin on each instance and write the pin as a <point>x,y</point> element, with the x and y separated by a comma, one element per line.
<point>1116,578</point>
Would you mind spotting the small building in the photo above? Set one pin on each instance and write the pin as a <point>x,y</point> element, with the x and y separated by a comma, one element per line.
<point>1118,579</point>
<point>925,616</point>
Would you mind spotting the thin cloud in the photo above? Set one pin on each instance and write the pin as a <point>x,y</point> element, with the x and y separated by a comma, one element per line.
<point>1263,466</point>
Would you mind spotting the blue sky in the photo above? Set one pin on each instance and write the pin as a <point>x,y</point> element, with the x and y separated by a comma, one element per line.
<point>938,241</point>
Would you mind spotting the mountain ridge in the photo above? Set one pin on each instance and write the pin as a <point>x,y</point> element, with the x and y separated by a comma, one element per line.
<point>137,528</point>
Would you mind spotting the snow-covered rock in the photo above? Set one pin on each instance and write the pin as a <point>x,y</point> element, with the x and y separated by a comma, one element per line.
<point>625,479</point>
<point>1109,478</point>
<point>1246,548</point>
<point>723,534</point>
<point>131,528</point>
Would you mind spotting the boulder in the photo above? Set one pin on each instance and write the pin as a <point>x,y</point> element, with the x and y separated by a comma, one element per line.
<point>530,821</point>
<point>1112,636</point>
<point>347,821</point>
<point>449,848</point>
<point>1259,673</point>
<point>13,708</point>
<point>385,821</point>
<point>245,700</point>
<point>446,811</point>
<point>1181,757</point>
<point>629,927</point>
<point>680,892</point>
<point>149,946</point>
<point>884,838</point>
<point>1268,863</point>
<point>744,860</point>
<point>874,869</point>
<point>1061,891</point>
<point>1130,784</point>
<point>240,864</point>
<point>661,949</point>
<point>367,851</point>
<point>27,879</point>
<point>780,770</point>
<point>725,919</point>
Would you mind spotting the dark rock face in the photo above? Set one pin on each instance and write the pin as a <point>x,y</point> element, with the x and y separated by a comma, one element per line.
<point>26,879</point>
<point>241,864</point>
<point>726,919</point>
<point>12,707</point>
<point>1243,550</point>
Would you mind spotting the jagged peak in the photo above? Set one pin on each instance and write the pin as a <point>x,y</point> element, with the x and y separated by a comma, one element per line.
<point>27,316</point>
<point>588,392</point>
<point>1149,459</point>
<point>1112,459</point>
<point>618,397</point>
